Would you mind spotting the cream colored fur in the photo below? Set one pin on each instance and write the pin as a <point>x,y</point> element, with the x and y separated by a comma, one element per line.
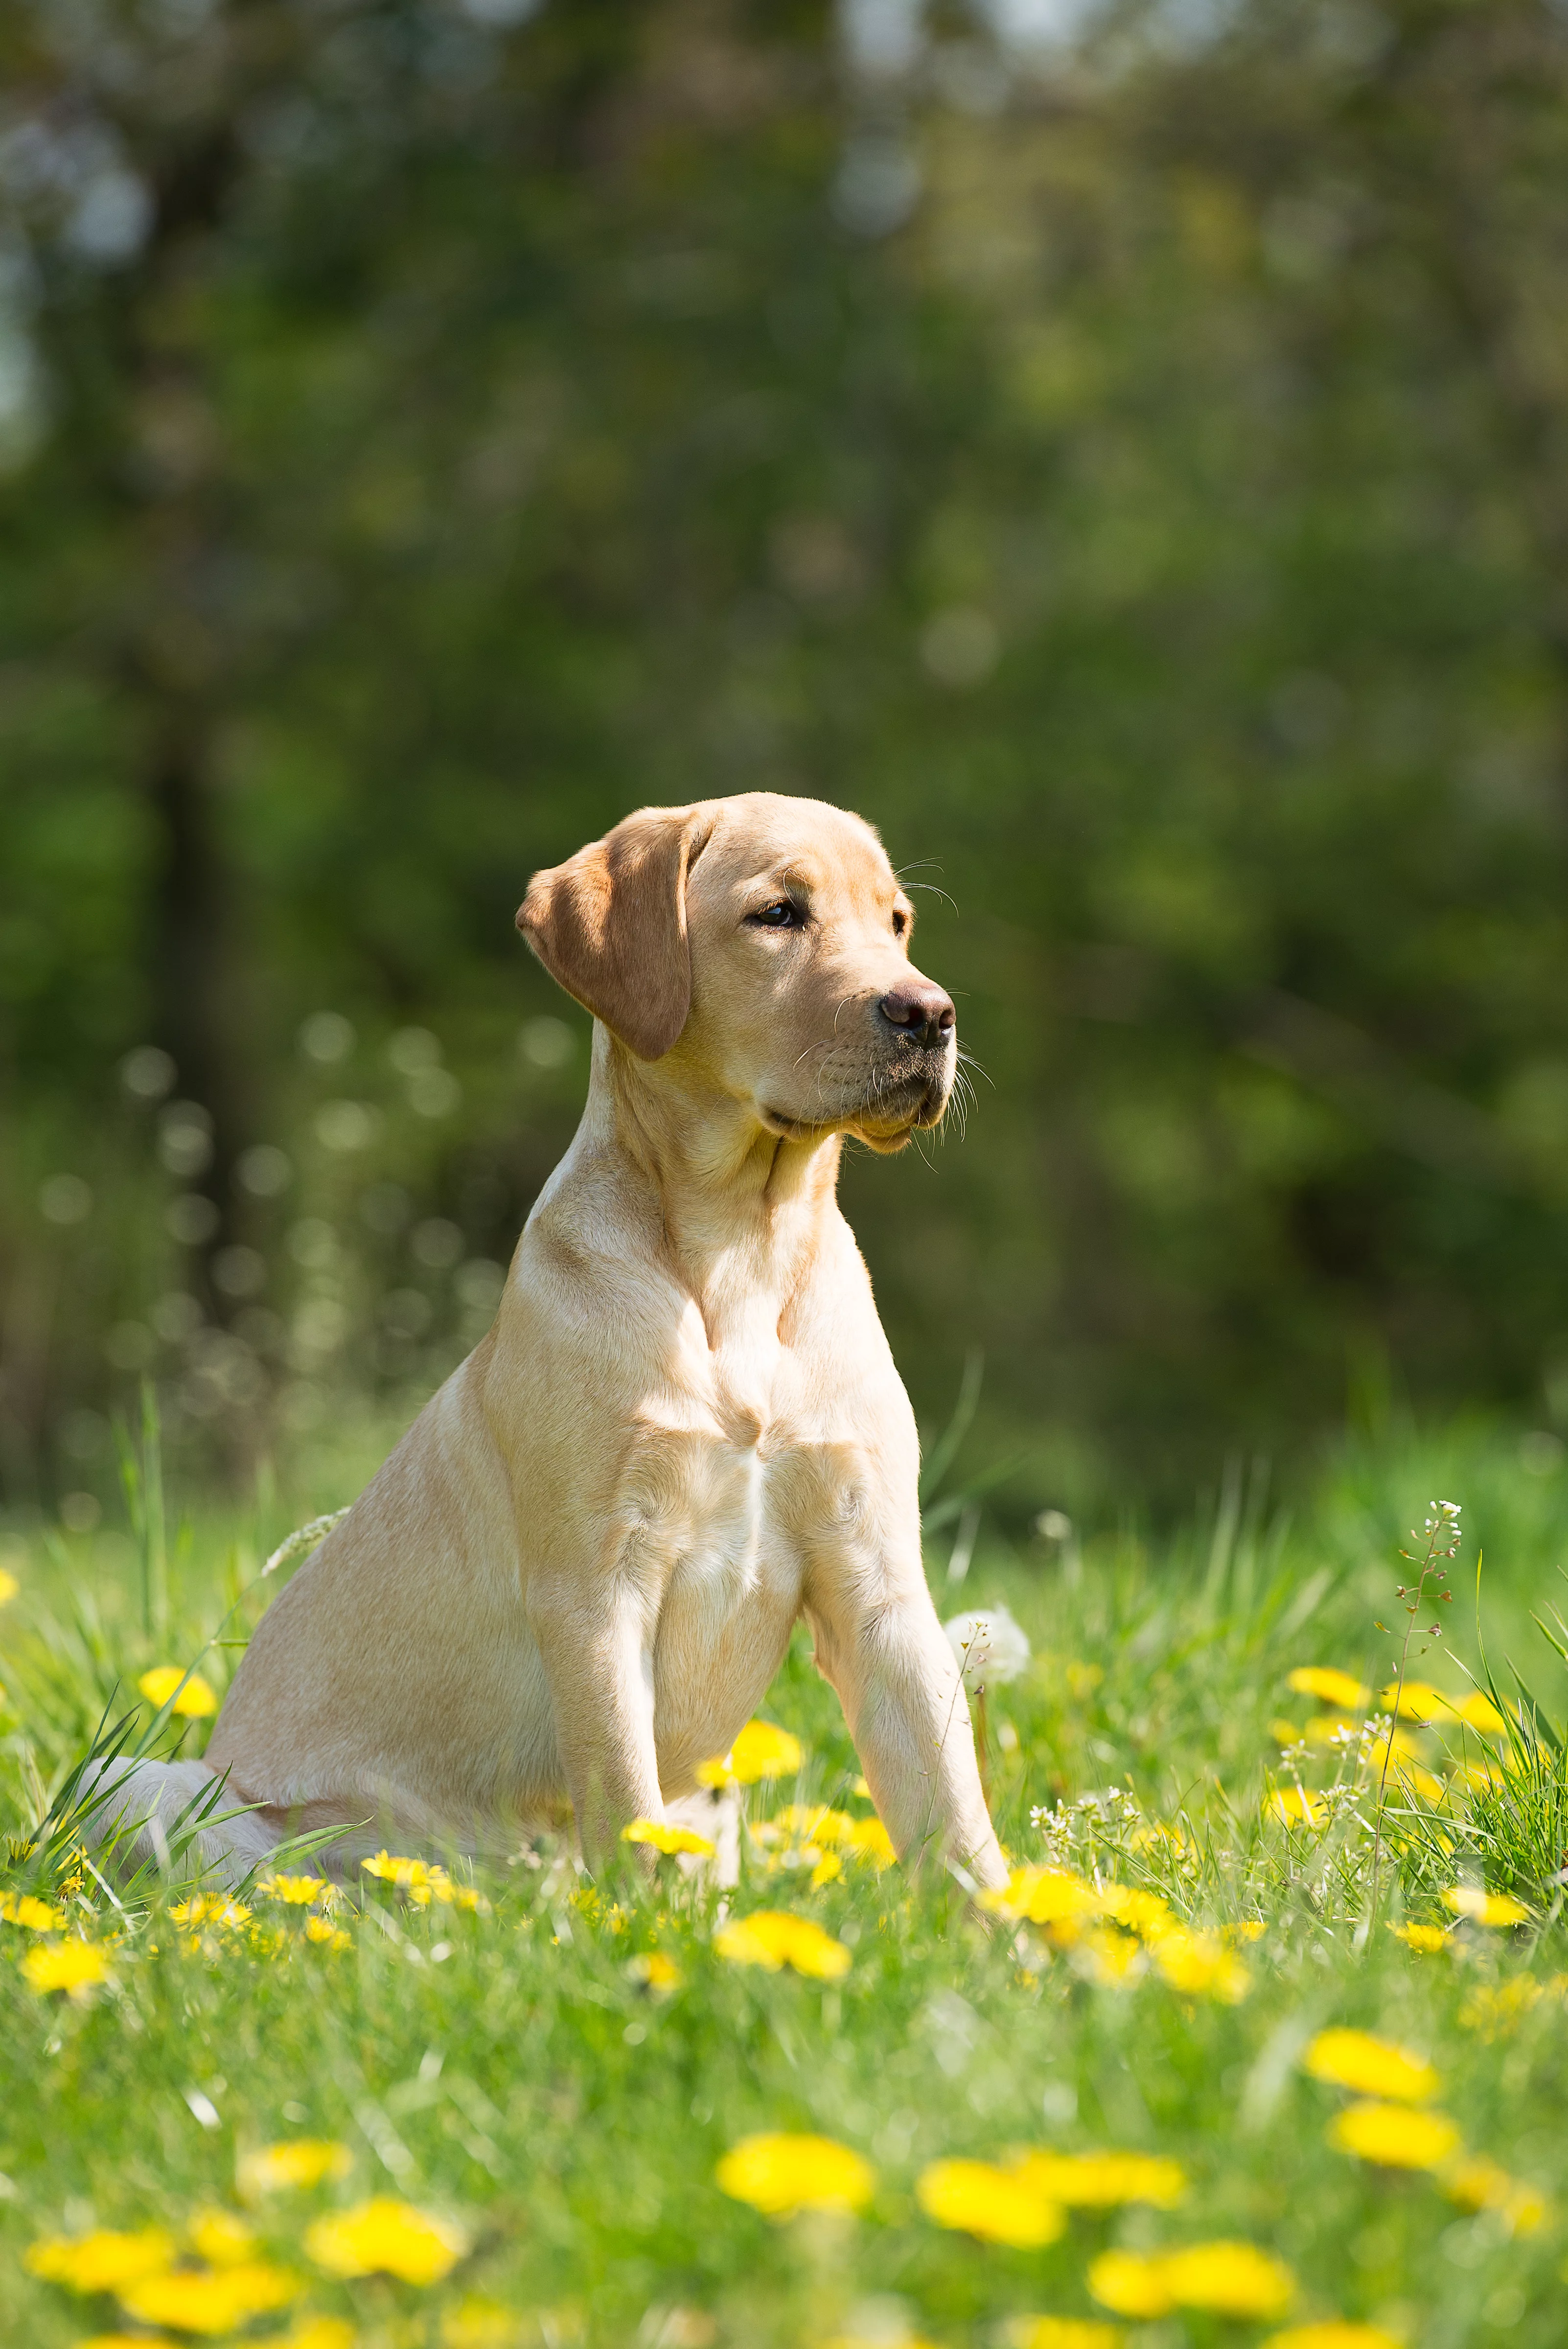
<point>575,1576</point>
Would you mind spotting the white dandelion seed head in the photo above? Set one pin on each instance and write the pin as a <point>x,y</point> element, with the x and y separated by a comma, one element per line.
<point>990,1647</point>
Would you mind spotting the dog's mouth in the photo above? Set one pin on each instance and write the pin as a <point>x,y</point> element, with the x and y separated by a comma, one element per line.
<point>908,1101</point>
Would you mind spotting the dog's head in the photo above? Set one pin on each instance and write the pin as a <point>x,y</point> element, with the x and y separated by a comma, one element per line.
<point>760,945</point>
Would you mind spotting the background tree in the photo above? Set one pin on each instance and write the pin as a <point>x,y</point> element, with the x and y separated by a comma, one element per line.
<point>1134,476</point>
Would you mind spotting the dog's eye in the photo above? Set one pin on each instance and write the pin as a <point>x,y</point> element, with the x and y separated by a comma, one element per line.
<point>900,922</point>
<point>782,914</point>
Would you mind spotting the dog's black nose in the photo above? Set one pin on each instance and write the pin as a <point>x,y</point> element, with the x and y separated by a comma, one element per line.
<point>921,1011</point>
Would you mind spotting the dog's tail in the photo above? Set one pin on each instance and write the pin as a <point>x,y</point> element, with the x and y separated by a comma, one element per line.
<point>177,1816</point>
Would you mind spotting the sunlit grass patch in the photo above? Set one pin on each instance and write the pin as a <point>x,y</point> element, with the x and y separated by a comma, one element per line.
<point>1181,2061</point>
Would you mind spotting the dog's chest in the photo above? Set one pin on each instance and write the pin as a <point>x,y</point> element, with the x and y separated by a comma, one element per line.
<point>728,1472</point>
<point>748,1478</point>
<point>731,1590</point>
<point>745,1463</point>
<point>737,1548</point>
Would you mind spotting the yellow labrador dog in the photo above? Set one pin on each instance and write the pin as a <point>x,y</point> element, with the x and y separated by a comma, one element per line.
<point>577,1573</point>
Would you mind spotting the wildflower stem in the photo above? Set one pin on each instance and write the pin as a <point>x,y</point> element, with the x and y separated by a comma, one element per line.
<point>1442,1538</point>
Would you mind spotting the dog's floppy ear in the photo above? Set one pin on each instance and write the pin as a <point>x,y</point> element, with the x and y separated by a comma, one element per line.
<point>609,924</point>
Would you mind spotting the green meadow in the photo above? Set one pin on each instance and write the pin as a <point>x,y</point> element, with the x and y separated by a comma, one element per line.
<point>529,2107</point>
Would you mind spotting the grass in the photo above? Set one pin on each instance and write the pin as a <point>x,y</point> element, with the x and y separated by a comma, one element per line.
<point>509,2069</point>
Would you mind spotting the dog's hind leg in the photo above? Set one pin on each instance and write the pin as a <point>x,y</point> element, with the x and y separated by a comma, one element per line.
<point>144,1811</point>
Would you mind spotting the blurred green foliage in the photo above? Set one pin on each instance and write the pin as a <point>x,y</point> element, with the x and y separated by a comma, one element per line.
<point>1133,474</point>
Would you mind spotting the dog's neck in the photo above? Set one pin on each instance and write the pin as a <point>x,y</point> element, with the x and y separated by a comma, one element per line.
<point>741,1207</point>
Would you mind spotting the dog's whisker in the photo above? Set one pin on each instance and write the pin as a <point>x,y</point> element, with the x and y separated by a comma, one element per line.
<point>968,1060</point>
<point>932,890</point>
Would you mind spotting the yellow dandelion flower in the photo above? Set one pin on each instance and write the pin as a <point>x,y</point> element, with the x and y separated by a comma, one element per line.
<point>1150,1832</point>
<point>204,1910</point>
<point>1044,1895</point>
<point>1373,2067</point>
<point>1479,1908</point>
<point>1133,2283</point>
<point>1324,1727</point>
<point>1335,2333</point>
<point>1477,2183</point>
<point>297,2161</point>
<point>25,1908</point>
<point>391,1868</point>
<point>422,1879</point>
<point>773,1938</point>
<point>1144,1913</point>
<point>656,1971</point>
<point>997,2206</point>
<point>1061,2332</point>
<point>1098,2181</point>
<point>9,1587</point>
<point>331,1936</point>
<point>1284,1731</point>
<point>1231,2279</point>
<point>1103,1956</point>
<point>1245,1929</point>
<point>1393,2136</point>
<point>659,1837</point>
<point>861,1788</point>
<point>761,1751</point>
<point>1426,1939</point>
<point>778,1850</point>
<point>102,2260</point>
<point>806,1823</point>
<point>1329,1686</point>
<point>1200,1965</point>
<point>222,2238</point>
<point>478,2324</point>
<point>1418,1781</point>
<point>384,2236</point>
<point>75,1967</point>
<point>196,1701</point>
<point>315,2332</point>
<point>1296,1807</point>
<point>1496,2010</point>
<point>299,1891</point>
<point>868,1839</point>
<point>211,2299</point>
<point>1399,1746</point>
<point>780,2174</point>
<point>1477,1711</point>
<point>1417,1700</point>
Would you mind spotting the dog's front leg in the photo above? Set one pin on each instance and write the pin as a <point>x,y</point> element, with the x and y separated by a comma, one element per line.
<point>879,1643</point>
<point>599,1661</point>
